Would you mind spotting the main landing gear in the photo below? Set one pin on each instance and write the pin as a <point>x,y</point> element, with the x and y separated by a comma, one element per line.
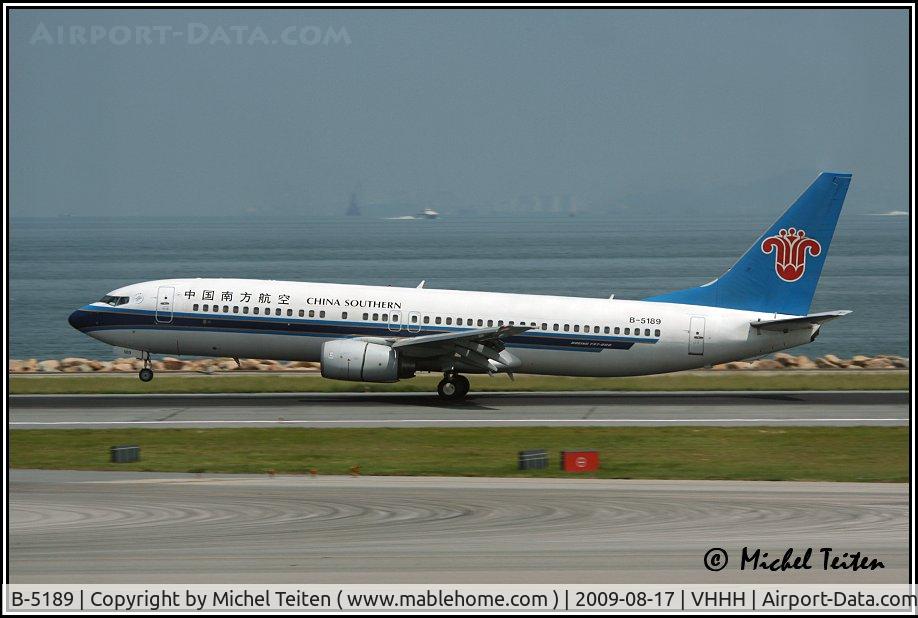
<point>453,387</point>
<point>146,374</point>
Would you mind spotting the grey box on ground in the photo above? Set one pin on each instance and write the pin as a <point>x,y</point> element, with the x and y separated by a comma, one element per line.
<point>125,454</point>
<point>533,460</point>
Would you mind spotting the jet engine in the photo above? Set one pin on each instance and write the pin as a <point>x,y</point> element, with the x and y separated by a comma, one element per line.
<point>363,361</point>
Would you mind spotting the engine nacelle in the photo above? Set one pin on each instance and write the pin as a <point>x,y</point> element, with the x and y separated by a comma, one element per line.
<point>362,361</point>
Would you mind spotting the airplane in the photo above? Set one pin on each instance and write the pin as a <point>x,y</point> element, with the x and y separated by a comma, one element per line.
<point>386,334</point>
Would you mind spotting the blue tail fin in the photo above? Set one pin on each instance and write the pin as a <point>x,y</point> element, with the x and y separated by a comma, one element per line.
<point>778,274</point>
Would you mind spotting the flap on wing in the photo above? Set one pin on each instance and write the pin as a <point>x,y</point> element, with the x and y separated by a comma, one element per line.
<point>480,335</point>
<point>804,321</point>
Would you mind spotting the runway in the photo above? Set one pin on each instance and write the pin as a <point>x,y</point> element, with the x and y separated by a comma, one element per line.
<point>712,408</point>
<point>97,527</point>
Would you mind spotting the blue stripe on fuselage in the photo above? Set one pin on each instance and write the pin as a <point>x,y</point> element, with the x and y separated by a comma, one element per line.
<point>120,318</point>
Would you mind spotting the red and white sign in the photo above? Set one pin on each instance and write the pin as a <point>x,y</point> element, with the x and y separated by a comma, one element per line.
<point>579,461</point>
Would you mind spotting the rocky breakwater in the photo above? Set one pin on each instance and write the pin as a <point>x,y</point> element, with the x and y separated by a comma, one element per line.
<point>782,360</point>
<point>167,364</point>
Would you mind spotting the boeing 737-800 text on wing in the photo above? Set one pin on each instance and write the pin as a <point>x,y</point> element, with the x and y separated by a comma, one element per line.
<point>385,334</point>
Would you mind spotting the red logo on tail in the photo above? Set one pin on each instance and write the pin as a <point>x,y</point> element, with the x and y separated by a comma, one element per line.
<point>790,247</point>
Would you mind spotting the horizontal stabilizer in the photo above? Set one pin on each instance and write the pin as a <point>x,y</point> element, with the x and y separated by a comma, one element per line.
<point>805,321</point>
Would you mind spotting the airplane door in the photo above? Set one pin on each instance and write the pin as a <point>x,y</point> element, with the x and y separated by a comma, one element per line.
<point>696,336</point>
<point>413,322</point>
<point>164,304</point>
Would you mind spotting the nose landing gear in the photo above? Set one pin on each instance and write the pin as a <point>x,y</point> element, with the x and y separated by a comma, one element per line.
<point>146,374</point>
<point>453,387</point>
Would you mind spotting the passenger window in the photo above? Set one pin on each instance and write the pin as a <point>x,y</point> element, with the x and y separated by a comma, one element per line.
<point>606,330</point>
<point>647,332</point>
<point>245,309</point>
<point>256,310</point>
<point>385,317</point>
<point>195,308</point>
<point>595,329</point>
<point>618,330</point>
<point>438,320</point>
<point>449,320</point>
<point>554,327</point>
<point>500,322</point>
<point>414,319</point>
<point>544,326</point>
<point>225,308</point>
<point>267,310</point>
<point>480,322</point>
<point>627,331</point>
<point>366,316</point>
<point>458,321</point>
<point>576,328</point>
<point>207,307</point>
<point>656,333</point>
<point>289,312</point>
<point>235,309</point>
<point>395,318</point>
<point>277,311</point>
<point>321,314</point>
<point>567,328</point>
<point>216,308</point>
<point>490,323</point>
<point>426,319</point>
<point>312,313</point>
<point>376,317</point>
<point>344,315</point>
<point>302,313</point>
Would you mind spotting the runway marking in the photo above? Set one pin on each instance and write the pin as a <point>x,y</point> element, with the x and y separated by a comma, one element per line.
<point>466,420</point>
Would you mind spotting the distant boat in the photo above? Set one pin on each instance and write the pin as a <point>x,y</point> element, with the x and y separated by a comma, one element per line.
<point>427,213</point>
<point>891,213</point>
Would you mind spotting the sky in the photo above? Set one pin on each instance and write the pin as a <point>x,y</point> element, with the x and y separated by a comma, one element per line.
<point>215,112</point>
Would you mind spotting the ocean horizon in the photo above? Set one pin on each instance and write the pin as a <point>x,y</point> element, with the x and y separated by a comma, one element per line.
<point>57,264</point>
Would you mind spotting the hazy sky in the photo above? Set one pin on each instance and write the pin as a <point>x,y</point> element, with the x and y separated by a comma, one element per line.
<point>210,111</point>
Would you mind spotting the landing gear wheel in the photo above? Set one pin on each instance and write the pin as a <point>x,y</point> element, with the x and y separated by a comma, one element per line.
<point>146,374</point>
<point>453,387</point>
<point>462,383</point>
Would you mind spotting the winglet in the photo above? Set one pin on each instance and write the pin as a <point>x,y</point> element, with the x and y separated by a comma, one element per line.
<point>508,331</point>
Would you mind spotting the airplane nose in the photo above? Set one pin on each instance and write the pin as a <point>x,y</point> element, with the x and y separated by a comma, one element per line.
<point>80,319</point>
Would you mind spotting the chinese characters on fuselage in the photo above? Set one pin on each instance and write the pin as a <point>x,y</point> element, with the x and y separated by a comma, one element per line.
<point>284,299</point>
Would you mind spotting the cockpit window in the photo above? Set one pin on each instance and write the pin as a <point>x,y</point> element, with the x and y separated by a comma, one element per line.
<point>114,301</point>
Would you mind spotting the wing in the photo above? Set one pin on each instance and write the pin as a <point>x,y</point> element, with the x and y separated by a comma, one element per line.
<point>805,321</point>
<point>482,348</point>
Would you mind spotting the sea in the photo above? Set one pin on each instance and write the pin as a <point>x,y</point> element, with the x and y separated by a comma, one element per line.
<point>59,264</point>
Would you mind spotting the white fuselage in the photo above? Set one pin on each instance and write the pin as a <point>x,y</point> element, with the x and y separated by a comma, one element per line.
<point>285,320</point>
